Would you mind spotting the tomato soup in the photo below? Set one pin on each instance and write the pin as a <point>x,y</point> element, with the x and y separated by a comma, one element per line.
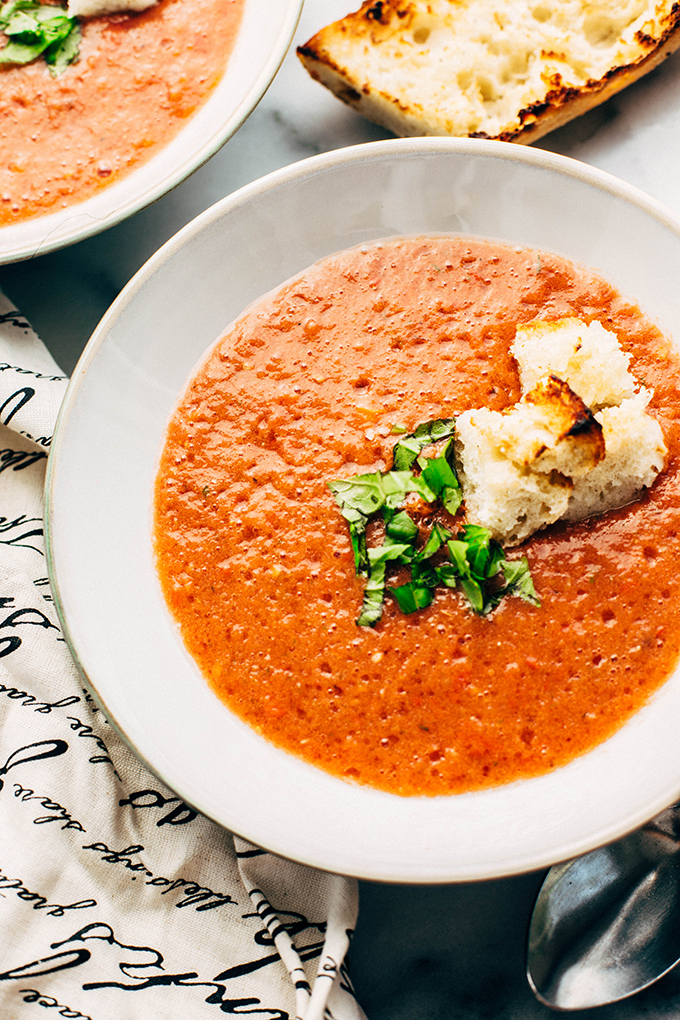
<point>255,559</point>
<point>137,80</point>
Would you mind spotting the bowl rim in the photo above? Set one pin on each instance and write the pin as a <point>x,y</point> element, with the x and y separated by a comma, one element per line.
<point>86,224</point>
<point>311,166</point>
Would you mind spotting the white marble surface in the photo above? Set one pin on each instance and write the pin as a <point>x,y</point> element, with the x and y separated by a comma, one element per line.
<point>419,953</point>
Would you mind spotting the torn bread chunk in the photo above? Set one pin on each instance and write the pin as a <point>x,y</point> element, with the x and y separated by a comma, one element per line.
<point>97,8</point>
<point>501,493</point>
<point>551,429</point>
<point>587,357</point>
<point>506,69</point>
<point>635,455</point>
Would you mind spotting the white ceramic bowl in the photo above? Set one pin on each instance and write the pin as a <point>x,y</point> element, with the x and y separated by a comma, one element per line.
<point>104,460</point>
<point>262,41</point>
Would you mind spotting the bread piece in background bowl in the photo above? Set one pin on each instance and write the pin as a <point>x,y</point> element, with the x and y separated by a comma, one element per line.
<point>511,70</point>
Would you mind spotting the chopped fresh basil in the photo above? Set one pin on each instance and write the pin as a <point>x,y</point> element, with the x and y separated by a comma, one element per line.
<point>412,596</point>
<point>475,561</point>
<point>35,30</point>
<point>440,474</point>
<point>374,593</point>
<point>406,451</point>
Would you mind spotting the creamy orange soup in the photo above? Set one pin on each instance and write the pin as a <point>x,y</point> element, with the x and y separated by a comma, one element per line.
<point>139,77</point>
<point>255,559</point>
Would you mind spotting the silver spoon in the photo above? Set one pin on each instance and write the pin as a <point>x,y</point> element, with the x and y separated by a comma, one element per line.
<point>607,925</point>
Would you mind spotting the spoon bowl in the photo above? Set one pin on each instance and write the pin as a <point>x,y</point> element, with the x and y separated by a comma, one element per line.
<point>607,925</point>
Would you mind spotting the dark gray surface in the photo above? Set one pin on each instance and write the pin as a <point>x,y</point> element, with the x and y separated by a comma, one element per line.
<point>458,952</point>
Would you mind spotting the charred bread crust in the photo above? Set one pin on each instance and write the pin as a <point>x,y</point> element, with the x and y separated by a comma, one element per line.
<point>375,22</point>
<point>572,424</point>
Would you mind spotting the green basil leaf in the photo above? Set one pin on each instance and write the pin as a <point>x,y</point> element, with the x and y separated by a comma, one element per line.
<point>401,528</point>
<point>411,597</point>
<point>458,554</point>
<point>374,597</point>
<point>448,575</point>
<point>370,492</point>
<point>518,580</point>
<point>423,573</point>
<point>64,52</point>
<point>21,53</point>
<point>451,498</point>
<point>474,593</point>
<point>407,449</point>
<point>34,29</point>
<point>387,553</point>
<point>438,536</point>
<point>20,23</point>
<point>438,474</point>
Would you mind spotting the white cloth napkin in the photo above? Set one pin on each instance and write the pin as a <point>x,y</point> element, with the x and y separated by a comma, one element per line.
<point>117,901</point>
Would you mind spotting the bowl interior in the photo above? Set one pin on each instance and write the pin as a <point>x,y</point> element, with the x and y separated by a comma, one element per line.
<point>104,460</point>
<point>261,44</point>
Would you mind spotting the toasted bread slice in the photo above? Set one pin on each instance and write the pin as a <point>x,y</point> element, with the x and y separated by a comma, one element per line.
<point>506,69</point>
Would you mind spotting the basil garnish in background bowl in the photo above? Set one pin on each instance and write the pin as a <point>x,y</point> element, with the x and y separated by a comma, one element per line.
<point>35,30</point>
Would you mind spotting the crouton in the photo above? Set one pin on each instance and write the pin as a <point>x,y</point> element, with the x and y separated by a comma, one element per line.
<point>551,429</point>
<point>549,457</point>
<point>635,454</point>
<point>587,357</point>
<point>506,69</point>
<point>501,493</point>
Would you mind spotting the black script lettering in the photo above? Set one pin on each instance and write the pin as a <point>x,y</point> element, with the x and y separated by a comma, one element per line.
<point>46,707</point>
<point>40,902</point>
<point>17,460</point>
<point>33,617</point>
<point>83,730</point>
<point>179,815</point>
<point>6,367</point>
<point>188,979</point>
<point>8,644</point>
<point>292,922</point>
<point>15,318</point>
<point>91,702</point>
<point>15,402</point>
<point>32,995</point>
<point>44,582</point>
<point>28,700</point>
<point>48,749</point>
<point>306,953</point>
<point>48,964</point>
<point>62,814</point>
<point>34,524</point>
<point>121,856</point>
<point>194,895</point>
